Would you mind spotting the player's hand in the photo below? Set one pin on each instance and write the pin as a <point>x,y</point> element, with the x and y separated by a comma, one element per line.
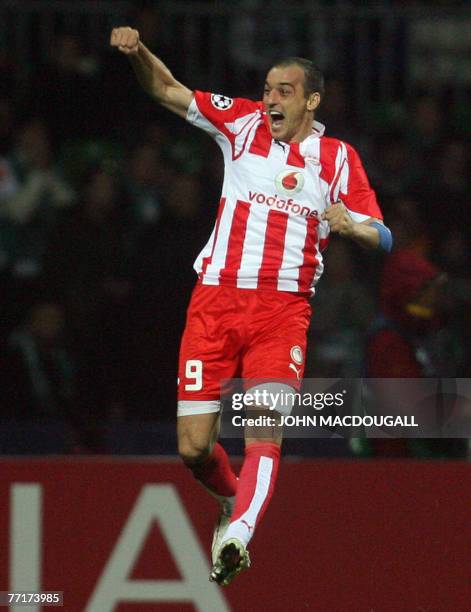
<point>339,219</point>
<point>126,39</point>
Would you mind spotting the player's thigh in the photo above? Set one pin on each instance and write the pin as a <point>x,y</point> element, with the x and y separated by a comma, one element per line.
<point>274,362</point>
<point>277,350</point>
<point>209,353</point>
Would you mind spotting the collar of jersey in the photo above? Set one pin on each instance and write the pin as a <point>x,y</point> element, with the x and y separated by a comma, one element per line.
<point>318,129</point>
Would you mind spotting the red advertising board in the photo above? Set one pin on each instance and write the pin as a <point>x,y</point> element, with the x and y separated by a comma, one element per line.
<point>133,535</point>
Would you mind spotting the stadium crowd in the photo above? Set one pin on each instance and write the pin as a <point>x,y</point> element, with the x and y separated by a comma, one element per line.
<point>105,199</point>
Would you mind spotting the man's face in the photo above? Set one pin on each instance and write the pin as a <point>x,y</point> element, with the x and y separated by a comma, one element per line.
<point>289,112</point>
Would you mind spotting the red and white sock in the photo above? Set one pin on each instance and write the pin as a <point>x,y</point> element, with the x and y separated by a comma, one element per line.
<point>255,488</point>
<point>216,474</point>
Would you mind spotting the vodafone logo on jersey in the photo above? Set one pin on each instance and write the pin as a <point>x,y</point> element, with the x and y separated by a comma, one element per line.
<point>288,205</point>
<point>289,182</point>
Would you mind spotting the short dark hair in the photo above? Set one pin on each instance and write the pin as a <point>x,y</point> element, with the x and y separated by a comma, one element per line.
<point>313,77</point>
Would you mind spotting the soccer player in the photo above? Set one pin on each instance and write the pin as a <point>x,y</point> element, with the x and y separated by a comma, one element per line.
<point>286,187</point>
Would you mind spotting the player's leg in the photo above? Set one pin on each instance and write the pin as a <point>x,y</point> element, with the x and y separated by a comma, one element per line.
<point>209,463</point>
<point>283,320</point>
<point>203,455</point>
<point>257,478</point>
<point>256,485</point>
<point>286,346</point>
<point>207,356</point>
<point>255,488</point>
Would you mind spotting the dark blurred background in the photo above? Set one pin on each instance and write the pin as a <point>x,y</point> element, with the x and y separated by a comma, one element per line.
<point>105,200</point>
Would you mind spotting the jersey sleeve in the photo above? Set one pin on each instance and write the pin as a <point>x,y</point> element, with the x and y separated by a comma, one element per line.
<point>220,115</point>
<point>355,191</point>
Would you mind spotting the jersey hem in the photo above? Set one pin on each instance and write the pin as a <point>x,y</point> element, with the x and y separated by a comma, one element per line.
<point>306,294</point>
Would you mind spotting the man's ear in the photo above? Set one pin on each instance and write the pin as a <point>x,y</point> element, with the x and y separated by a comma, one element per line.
<point>313,101</point>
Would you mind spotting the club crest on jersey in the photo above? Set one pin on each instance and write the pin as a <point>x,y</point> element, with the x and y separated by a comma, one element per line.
<point>289,182</point>
<point>296,353</point>
<point>221,102</point>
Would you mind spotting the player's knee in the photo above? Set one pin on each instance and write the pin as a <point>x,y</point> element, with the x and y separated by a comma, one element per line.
<point>278,398</point>
<point>193,451</point>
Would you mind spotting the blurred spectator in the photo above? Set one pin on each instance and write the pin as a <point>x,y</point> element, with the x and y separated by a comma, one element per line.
<point>445,193</point>
<point>79,157</point>
<point>152,29</point>
<point>343,309</point>
<point>145,182</point>
<point>39,377</point>
<point>69,83</point>
<point>445,184</point>
<point>407,221</point>
<point>256,21</point>
<point>163,279</point>
<point>86,264</point>
<point>426,125</point>
<point>411,233</point>
<point>335,107</point>
<point>31,193</point>
<point>40,380</point>
<point>409,295</point>
<point>392,173</point>
<point>454,256</point>
<point>454,253</point>
<point>85,256</point>
<point>454,171</point>
<point>118,83</point>
<point>402,343</point>
<point>336,112</point>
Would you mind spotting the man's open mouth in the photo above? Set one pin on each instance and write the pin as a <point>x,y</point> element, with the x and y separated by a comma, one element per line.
<point>276,118</point>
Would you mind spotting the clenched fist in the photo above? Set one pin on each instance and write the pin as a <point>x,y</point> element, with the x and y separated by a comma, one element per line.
<point>126,39</point>
<point>339,219</point>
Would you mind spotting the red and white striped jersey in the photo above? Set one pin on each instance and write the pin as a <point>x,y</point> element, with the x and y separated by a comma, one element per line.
<point>269,233</point>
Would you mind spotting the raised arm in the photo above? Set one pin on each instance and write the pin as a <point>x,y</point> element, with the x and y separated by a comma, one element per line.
<point>152,74</point>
